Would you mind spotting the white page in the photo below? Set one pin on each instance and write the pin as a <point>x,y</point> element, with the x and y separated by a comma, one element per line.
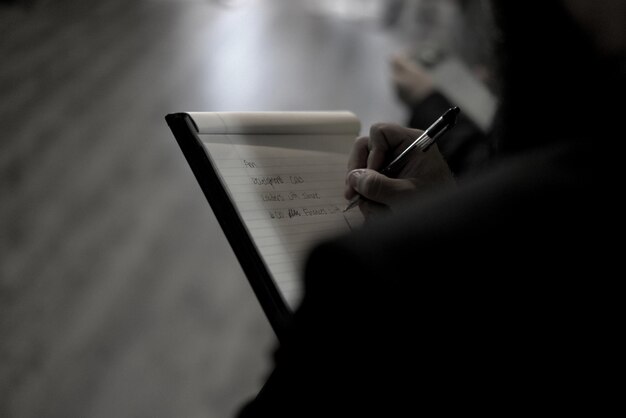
<point>288,189</point>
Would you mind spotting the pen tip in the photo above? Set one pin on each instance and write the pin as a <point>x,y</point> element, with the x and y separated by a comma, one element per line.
<point>350,205</point>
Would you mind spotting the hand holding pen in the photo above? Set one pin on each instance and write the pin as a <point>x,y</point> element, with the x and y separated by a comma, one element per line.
<point>413,167</point>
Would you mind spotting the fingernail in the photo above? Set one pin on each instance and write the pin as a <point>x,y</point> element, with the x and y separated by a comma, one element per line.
<point>354,176</point>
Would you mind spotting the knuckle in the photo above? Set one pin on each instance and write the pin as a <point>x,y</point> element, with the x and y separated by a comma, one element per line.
<point>361,141</point>
<point>378,127</point>
<point>371,186</point>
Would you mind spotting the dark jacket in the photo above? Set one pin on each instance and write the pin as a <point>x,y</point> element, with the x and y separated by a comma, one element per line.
<point>499,296</point>
<point>487,298</point>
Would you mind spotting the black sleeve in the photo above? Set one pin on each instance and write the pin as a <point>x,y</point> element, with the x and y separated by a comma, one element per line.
<point>444,307</point>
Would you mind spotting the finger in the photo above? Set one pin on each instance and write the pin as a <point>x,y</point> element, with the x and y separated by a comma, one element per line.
<point>358,153</point>
<point>356,159</point>
<point>377,187</point>
<point>379,146</point>
<point>399,61</point>
<point>387,141</point>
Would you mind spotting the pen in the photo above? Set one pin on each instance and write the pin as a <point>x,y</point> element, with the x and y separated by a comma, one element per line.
<point>425,140</point>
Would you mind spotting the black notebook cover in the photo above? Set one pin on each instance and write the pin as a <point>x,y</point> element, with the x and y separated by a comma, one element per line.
<point>272,303</point>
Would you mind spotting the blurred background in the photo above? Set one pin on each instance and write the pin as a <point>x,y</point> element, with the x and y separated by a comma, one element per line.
<point>119,294</point>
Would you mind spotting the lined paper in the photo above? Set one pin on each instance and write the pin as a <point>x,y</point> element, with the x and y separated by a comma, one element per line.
<point>288,189</point>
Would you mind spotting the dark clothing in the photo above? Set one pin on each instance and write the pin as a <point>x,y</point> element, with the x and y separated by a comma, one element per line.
<point>499,296</point>
<point>486,298</point>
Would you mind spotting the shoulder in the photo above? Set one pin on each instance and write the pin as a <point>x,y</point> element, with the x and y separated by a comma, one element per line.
<point>482,292</point>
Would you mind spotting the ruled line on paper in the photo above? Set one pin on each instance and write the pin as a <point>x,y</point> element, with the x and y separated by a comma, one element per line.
<point>288,203</point>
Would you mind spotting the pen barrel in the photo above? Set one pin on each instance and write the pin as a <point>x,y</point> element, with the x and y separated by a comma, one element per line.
<point>425,142</point>
<point>426,139</point>
<point>421,143</point>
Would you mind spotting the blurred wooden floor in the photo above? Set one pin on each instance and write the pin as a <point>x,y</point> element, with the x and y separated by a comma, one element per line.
<point>119,295</point>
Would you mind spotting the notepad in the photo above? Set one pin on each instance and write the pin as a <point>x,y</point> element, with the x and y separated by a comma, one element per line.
<point>275,181</point>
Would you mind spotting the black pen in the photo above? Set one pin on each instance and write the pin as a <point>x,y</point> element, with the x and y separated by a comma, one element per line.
<point>425,140</point>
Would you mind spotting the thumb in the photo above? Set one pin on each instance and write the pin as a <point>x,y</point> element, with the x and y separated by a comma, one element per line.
<point>377,187</point>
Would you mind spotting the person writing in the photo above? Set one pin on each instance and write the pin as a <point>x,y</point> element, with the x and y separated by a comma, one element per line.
<point>492,294</point>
